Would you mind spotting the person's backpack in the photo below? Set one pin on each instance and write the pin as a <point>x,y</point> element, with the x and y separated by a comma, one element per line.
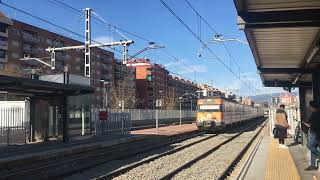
<point>275,132</point>
<point>281,119</point>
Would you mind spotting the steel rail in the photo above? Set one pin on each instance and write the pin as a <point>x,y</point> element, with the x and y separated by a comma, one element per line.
<point>237,159</point>
<point>204,155</point>
<point>128,168</point>
<point>91,157</point>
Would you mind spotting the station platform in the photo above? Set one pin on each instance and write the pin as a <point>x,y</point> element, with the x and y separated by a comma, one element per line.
<point>167,130</point>
<point>272,162</point>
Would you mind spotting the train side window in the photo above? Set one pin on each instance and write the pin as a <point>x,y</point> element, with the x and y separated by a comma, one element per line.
<point>222,109</point>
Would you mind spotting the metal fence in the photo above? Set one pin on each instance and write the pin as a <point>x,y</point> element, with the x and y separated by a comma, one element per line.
<point>293,118</point>
<point>13,122</point>
<point>117,123</point>
<point>121,123</point>
<point>150,114</point>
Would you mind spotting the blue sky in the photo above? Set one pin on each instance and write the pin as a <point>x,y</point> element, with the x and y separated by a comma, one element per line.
<point>150,19</point>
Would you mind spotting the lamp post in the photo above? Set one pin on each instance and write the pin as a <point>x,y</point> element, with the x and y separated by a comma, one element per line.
<point>180,99</point>
<point>161,98</point>
<point>105,94</point>
<point>151,45</point>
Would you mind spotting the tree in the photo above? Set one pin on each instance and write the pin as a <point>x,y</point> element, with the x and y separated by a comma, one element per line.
<point>123,91</point>
<point>170,102</point>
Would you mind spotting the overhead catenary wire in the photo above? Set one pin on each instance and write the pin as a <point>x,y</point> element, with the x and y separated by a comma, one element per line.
<point>200,40</point>
<point>100,19</point>
<point>68,30</point>
<point>212,29</point>
<point>113,26</point>
<point>95,18</point>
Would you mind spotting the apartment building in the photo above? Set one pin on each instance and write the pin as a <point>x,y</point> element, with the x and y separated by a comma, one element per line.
<point>19,40</point>
<point>124,87</point>
<point>23,39</point>
<point>151,82</point>
<point>179,87</point>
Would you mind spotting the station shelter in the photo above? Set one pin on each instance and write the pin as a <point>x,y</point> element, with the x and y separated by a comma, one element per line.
<point>47,107</point>
<point>284,37</point>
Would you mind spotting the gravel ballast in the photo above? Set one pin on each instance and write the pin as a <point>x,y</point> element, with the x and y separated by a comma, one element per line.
<point>215,164</point>
<point>116,164</point>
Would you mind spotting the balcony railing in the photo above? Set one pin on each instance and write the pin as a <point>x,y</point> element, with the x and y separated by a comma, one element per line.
<point>30,38</point>
<point>106,76</point>
<point>29,49</point>
<point>4,45</point>
<point>61,56</point>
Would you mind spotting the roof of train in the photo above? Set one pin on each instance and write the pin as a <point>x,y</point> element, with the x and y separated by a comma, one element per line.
<point>224,98</point>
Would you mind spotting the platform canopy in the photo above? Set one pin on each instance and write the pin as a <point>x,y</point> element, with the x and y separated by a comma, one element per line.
<point>40,89</point>
<point>284,39</point>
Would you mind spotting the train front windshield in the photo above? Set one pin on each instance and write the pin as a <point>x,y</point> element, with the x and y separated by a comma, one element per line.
<point>210,108</point>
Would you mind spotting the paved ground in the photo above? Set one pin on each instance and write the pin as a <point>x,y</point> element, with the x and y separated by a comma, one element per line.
<point>272,162</point>
<point>257,169</point>
<point>168,130</point>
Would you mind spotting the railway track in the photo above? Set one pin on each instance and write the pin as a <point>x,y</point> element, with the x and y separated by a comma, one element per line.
<point>63,166</point>
<point>234,170</point>
<point>136,168</point>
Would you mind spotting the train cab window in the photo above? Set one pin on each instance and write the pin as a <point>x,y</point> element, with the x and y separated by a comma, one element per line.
<point>210,108</point>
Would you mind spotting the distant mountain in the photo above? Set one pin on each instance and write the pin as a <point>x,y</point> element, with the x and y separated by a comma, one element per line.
<point>268,97</point>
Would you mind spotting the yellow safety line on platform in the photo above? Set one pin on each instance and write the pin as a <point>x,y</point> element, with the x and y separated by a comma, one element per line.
<point>280,165</point>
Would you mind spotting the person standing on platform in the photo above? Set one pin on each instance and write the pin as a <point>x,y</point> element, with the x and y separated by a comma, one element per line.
<point>314,139</point>
<point>281,125</point>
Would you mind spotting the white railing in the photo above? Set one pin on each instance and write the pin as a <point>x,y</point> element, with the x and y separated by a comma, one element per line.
<point>13,113</point>
<point>14,118</point>
<point>118,123</point>
<point>149,114</point>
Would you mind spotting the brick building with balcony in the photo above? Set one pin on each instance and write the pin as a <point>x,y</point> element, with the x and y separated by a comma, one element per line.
<point>151,82</point>
<point>154,82</point>
<point>26,40</point>
<point>179,87</point>
<point>19,40</point>
<point>124,87</point>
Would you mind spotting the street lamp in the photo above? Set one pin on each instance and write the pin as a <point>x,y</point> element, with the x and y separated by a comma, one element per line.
<point>180,99</point>
<point>105,94</point>
<point>151,45</point>
<point>218,39</point>
<point>40,60</point>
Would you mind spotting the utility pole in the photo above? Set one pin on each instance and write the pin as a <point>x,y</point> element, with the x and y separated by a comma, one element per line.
<point>180,98</point>
<point>88,45</point>
<point>87,42</point>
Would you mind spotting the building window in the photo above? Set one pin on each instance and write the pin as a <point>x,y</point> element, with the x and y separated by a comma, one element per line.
<point>15,43</point>
<point>49,41</point>
<point>15,32</point>
<point>2,54</point>
<point>2,66</point>
<point>3,28</point>
<point>15,55</point>
<point>40,49</point>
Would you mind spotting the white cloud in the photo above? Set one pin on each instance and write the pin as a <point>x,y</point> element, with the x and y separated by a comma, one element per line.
<point>193,69</point>
<point>254,82</point>
<point>103,39</point>
<point>171,64</point>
